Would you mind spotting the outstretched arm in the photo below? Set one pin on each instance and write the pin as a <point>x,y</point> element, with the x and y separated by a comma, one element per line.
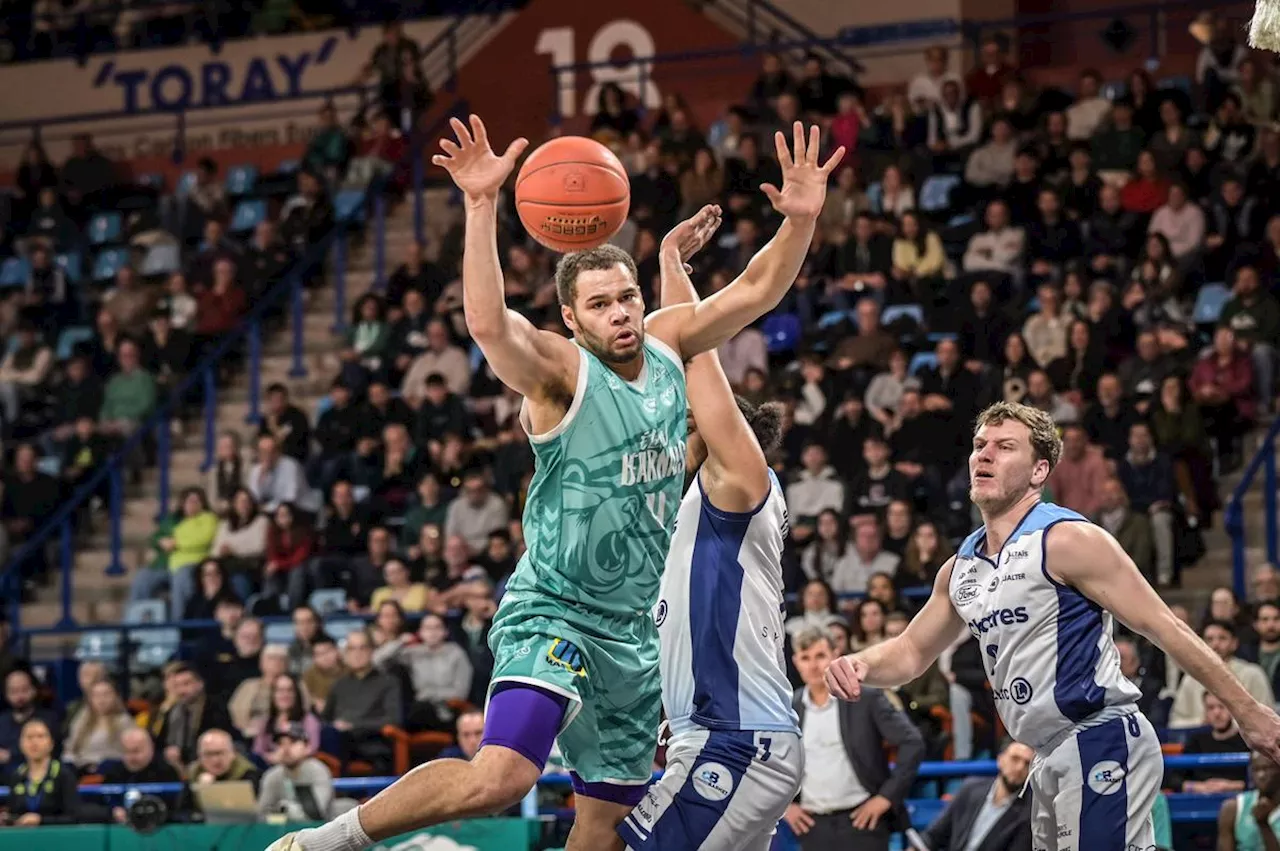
<point>736,473</point>
<point>900,660</point>
<point>770,273</point>
<point>1086,558</point>
<point>534,363</point>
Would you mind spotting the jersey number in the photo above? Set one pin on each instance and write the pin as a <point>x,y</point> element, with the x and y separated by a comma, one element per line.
<point>766,751</point>
<point>657,506</point>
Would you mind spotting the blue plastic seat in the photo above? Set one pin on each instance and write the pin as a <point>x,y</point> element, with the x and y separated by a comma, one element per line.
<point>248,214</point>
<point>1209,303</point>
<point>278,633</point>
<point>241,179</point>
<point>339,628</point>
<point>185,184</point>
<point>289,167</point>
<point>895,312</point>
<point>72,265</point>
<point>875,197</point>
<point>104,228</point>
<point>328,601</point>
<point>155,647</point>
<point>145,611</point>
<point>322,406</point>
<point>782,332</point>
<point>163,258</point>
<point>935,194</point>
<point>99,647</point>
<point>50,465</point>
<point>14,272</point>
<point>348,205</point>
<point>108,262</point>
<point>69,338</point>
<point>920,361</point>
<point>835,317</point>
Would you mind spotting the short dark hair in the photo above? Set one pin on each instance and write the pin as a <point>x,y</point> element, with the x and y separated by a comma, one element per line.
<point>1265,604</point>
<point>277,387</point>
<point>593,259</point>
<point>184,668</point>
<point>435,379</point>
<point>1226,626</point>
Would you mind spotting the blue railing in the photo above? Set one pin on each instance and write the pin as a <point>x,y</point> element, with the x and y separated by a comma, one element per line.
<point>1184,808</point>
<point>1263,460</point>
<point>203,378</point>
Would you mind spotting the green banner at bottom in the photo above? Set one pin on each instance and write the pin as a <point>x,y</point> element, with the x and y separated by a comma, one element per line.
<point>499,834</point>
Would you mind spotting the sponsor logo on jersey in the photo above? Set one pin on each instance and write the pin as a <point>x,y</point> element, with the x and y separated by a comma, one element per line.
<point>998,617</point>
<point>713,781</point>
<point>655,458</point>
<point>994,583</point>
<point>660,616</point>
<point>563,654</point>
<point>1019,691</point>
<point>1012,554</point>
<point>1106,777</point>
<point>1005,577</point>
<point>967,593</point>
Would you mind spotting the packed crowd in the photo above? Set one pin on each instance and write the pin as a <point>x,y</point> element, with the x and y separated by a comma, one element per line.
<point>1110,258</point>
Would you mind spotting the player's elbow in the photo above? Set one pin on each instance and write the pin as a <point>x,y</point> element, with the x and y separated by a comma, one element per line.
<point>486,327</point>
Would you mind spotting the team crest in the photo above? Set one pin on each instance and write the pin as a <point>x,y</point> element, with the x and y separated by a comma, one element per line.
<point>564,654</point>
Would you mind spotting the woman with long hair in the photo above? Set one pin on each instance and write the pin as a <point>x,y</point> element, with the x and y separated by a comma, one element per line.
<point>817,608</point>
<point>95,731</point>
<point>918,262</point>
<point>899,518</point>
<point>367,341</point>
<point>1148,190</point>
<point>212,586</point>
<point>250,703</point>
<point>1076,373</point>
<point>1018,366</point>
<point>390,633</point>
<point>830,544</point>
<point>897,195</point>
<point>240,545</point>
<point>703,184</point>
<point>290,542</point>
<point>868,624</point>
<point>926,553</point>
<point>413,597</point>
<point>288,706</point>
<point>880,588</point>
<point>184,545</point>
<point>308,628</point>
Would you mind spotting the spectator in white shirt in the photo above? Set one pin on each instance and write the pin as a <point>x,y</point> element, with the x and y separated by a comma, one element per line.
<point>816,488</point>
<point>1181,223</point>
<point>991,165</point>
<point>277,478</point>
<point>1087,113</point>
<point>748,349</point>
<point>999,248</point>
<point>476,512</point>
<point>1045,333</point>
<point>865,558</point>
<point>1188,703</point>
<point>441,356</point>
<point>926,87</point>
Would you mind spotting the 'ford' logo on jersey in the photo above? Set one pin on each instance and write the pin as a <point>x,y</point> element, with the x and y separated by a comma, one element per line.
<point>967,593</point>
<point>999,617</point>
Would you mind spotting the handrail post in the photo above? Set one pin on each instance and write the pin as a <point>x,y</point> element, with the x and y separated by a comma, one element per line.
<point>255,371</point>
<point>379,237</point>
<point>1234,524</point>
<point>299,369</point>
<point>417,188</point>
<point>339,285</point>
<point>66,552</point>
<point>163,460</point>
<point>210,415</point>
<point>1269,496</point>
<point>114,567</point>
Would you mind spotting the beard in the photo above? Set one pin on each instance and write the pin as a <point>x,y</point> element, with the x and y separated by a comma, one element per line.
<point>601,348</point>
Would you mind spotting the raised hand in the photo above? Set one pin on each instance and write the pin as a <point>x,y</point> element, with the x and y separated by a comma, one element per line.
<point>690,236</point>
<point>472,164</point>
<point>804,182</point>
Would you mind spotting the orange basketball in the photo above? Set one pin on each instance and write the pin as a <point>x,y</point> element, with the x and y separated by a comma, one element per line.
<point>572,194</point>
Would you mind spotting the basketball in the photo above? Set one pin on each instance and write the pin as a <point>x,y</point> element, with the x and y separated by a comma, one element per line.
<point>572,194</point>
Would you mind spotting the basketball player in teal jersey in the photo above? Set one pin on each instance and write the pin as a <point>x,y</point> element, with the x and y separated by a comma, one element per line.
<point>575,646</point>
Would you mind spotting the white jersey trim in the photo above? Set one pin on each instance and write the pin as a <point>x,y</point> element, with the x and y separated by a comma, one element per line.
<point>667,352</point>
<point>578,394</point>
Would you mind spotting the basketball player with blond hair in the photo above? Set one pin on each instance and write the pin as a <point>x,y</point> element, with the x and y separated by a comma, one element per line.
<point>574,640</point>
<point>1037,586</point>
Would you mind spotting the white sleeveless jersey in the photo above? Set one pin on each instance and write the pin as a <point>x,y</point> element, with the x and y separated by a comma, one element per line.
<point>720,615</point>
<point>1046,647</point>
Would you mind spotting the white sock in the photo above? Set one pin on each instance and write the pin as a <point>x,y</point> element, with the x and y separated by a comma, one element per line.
<point>342,834</point>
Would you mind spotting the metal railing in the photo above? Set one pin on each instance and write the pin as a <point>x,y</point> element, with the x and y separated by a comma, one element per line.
<point>203,379</point>
<point>1264,461</point>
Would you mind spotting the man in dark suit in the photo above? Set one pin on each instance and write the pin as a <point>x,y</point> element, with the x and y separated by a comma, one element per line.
<point>849,799</point>
<point>988,815</point>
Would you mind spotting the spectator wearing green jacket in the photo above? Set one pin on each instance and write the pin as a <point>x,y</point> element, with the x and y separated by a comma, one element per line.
<point>329,150</point>
<point>186,545</point>
<point>130,395</point>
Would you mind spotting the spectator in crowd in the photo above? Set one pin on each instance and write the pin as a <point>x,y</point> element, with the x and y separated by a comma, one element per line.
<point>440,673</point>
<point>849,797</point>
<point>43,789</point>
<point>1253,314</point>
<point>990,168</point>
<point>987,815</point>
<point>410,596</point>
<point>1248,820</point>
<point>330,148</point>
<point>1222,385</point>
<point>129,303</point>
<point>218,762</point>
<point>362,702</point>
<point>1077,479</point>
<point>298,786</point>
<point>1147,477</point>
<point>23,371</point>
<point>278,478</point>
<point>290,544</point>
<point>817,488</point>
<point>864,558</point>
<point>477,512</point>
<point>138,764</point>
<point>326,668</point>
<point>1188,703</point>
<point>440,412</point>
<point>879,483</point>
<point>250,703</point>
<point>996,253</point>
<point>817,608</point>
<point>1109,419</point>
<point>286,423</point>
<point>1131,666</point>
<point>287,711</point>
<point>20,695</point>
<point>194,713</point>
<point>130,394</point>
<point>469,733</point>
<point>228,472</point>
<point>1131,529</point>
<point>185,545</point>
<point>1266,652</point>
<point>29,498</point>
<point>240,544</point>
<point>1222,736</point>
<point>925,699</point>
<point>212,587</point>
<point>440,357</point>
<point>96,730</point>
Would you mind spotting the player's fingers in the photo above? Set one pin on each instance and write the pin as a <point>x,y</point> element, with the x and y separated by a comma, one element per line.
<point>460,130</point>
<point>797,141</point>
<point>833,682</point>
<point>478,131</point>
<point>442,161</point>
<point>834,161</point>
<point>780,144</point>
<point>449,147</point>
<point>688,270</point>
<point>515,149</point>
<point>815,142</point>
<point>771,192</point>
